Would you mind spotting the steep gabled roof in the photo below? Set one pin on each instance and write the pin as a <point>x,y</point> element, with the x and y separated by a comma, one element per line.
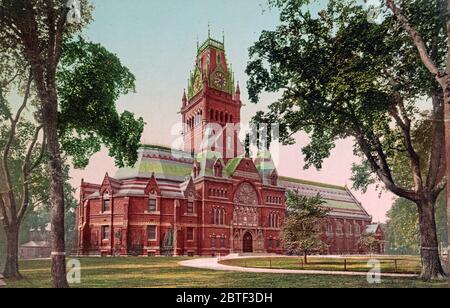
<point>232,164</point>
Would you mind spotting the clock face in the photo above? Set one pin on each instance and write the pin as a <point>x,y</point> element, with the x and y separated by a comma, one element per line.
<point>197,84</point>
<point>220,80</point>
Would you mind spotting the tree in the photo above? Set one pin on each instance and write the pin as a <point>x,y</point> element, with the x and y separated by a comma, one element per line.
<point>38,30</point>
<point>343,77</point>
<point>302,226</point>
<point>369,243</point>
<point>440,70</point>
<point>402,232</point>
<point>37,216</point>
<point>21,158</point>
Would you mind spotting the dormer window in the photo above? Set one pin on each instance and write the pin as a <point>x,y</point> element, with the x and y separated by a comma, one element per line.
<point>152,205</point>
<point>218,169</point>
<point>190,207</point>
<point>274,179</point>
<point>106,206</point>
<point>195,172</point>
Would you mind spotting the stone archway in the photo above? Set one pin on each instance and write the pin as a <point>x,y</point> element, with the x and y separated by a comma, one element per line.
<point>247,243</point>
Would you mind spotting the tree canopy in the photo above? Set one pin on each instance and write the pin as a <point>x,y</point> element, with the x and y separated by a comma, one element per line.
<point>341,76</point>
<point>90,81</point>
<point>302,226</point>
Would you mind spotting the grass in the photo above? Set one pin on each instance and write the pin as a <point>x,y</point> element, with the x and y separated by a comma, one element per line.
<point>167,273</point>
<point>405,265</point>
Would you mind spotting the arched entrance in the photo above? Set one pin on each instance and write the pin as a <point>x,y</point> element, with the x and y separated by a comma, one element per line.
<point>247,246</point>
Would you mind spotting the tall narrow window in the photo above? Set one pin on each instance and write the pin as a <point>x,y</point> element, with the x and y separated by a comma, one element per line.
<point>213,241</point>
<point>106,206</point>
<point>190,207</point>
<point>329,228</point>
<point>152,205</point>
<point>190,234</point>
<point>222,217</point>
<point>222,241</point>
<point>218,170</point>
<point>151,232</point>
<point>357,229</point>
<point>105,232</point>
<point>339,228</point>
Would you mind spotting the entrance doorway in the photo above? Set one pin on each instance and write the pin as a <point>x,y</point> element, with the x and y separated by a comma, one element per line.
<point>248,243</point>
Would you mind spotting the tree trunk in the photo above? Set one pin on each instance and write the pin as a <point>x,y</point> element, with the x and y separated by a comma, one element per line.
<point>305,256</point>
<point>431,263</point>
<point>56,194</point>
<point>11,270</point>
<point>447,167</point>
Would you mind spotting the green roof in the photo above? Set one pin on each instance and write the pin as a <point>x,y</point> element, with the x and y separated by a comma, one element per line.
<point>341,205</point>
<point>311,183</point>
<point>233,164</point>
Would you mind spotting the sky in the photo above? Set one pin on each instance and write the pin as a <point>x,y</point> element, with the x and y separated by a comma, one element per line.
<point>157,41</point>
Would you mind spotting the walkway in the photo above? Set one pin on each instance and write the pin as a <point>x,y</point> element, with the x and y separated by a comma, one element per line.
<point>213,264</point>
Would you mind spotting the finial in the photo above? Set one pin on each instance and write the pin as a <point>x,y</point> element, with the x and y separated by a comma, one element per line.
<point>184,98</point>
<point>223,37</point>
<point>209,29</point>
<point>238,88</point>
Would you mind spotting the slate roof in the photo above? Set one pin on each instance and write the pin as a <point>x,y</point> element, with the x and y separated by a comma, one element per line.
<point>173,169</point>
<point>164,163</point>
<point>338,198</point>
<point>372,229</point>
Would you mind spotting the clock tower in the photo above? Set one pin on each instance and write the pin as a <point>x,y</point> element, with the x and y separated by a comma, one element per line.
<point>212,105</point>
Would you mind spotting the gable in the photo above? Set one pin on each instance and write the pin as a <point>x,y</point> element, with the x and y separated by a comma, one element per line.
<point>244,168</point>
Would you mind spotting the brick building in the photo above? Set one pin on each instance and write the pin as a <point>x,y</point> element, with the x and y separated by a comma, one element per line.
<point>210,198</point>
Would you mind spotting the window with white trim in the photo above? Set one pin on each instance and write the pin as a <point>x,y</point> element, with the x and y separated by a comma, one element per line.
<point>151,232</point>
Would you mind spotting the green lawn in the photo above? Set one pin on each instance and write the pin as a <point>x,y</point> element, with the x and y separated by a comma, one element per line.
<point>166,273</point>
<point>405,264</point>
